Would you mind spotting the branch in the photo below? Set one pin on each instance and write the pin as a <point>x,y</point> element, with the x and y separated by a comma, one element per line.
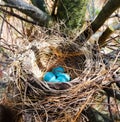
<point>112,93</point>
<point>10,25</point>
<point>115,15</point>
<point>106,34</point>
<point>36,14</point>
<point>96,116</point>
<point>107,10</point>
<point>18,16</point>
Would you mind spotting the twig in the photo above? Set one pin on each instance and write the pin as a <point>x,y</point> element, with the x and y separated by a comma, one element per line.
<point>8,45</point>
<point>17,16</point>
<point>109,109</point>
<point>54,7</point>
<point>106,34</point>
<point>36,14</point>
<point>115,15</point>
<point>96,116</point>
<point>112,93</point>
<point>11,25</point>
<point>1,27</point>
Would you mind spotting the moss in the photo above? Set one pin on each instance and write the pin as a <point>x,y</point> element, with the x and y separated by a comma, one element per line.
<point>72,12</point>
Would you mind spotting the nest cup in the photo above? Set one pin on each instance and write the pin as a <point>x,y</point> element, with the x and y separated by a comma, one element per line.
<point>51,102</point>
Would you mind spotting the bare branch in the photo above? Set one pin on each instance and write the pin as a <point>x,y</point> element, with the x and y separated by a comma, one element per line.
<point>96,116</point>
<point>112,93</point>
<point>106,34</point>
<point>11,25</point>
<point>107,10</point>
<point>36,14</point>
<point>18,16</point>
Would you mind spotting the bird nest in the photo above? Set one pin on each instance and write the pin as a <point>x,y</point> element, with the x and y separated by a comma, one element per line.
<point>39,101</point>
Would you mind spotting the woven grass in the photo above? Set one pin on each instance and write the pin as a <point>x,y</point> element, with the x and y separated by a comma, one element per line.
<point>38,101</point>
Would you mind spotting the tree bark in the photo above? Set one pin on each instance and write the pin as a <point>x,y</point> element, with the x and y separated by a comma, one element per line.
<point>39,4</point>
<point>36,14</point>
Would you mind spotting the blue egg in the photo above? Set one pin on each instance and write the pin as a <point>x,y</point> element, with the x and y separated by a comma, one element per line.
<point>53,80</point>
<point>49,76</point>
<point>61,79</point>
<point>56,81</point>
<point>58,69</point>
<point>64,75</point>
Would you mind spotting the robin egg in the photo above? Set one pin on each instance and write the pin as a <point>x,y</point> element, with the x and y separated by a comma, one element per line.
<point>49,76</point>
<point>61,79</point>
<point>63,75</point>
<point>58,69</point>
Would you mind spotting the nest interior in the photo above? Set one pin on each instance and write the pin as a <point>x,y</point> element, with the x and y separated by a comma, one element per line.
<point>60,51</point>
